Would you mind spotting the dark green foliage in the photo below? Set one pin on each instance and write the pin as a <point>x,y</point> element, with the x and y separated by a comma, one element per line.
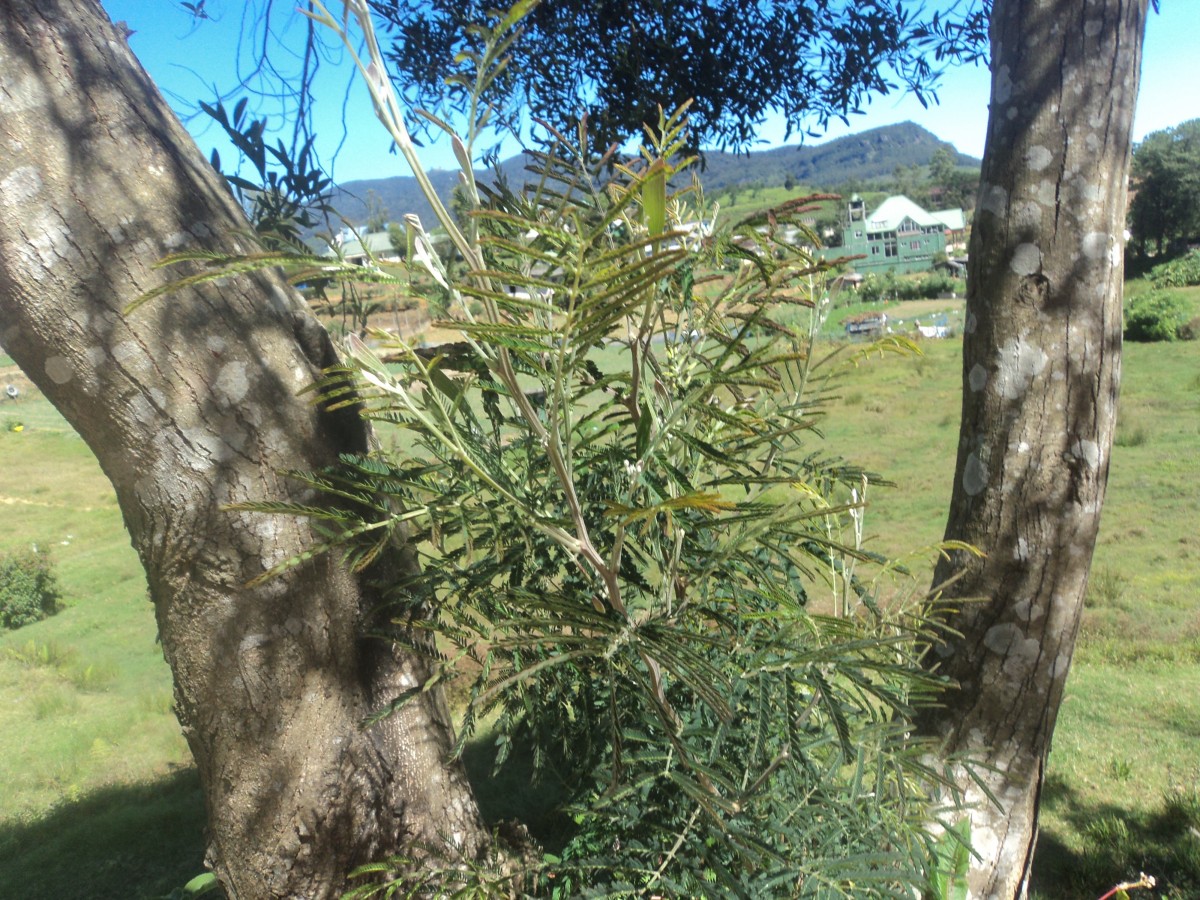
<point>889,287</point>
<point>1154,316</point>
<point>1166,175</point>
<point>950,187</point>
<point>28,589</point>
<point>1190,330</point>
<point>1181,272</point>
<point>289,193</point>
<point>621,60</point>
<point>623,518</point>
<point>624,525</point>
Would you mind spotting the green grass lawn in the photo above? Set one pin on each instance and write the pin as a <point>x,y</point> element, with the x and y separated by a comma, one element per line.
<point>98,800</point>
<point>1123,788</point>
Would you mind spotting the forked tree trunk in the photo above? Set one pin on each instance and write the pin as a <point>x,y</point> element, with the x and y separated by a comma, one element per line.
<point>191,404</point>
<point>1041,366</point>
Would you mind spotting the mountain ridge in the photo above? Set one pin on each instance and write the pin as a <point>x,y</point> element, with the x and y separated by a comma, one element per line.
<point>855,158</point>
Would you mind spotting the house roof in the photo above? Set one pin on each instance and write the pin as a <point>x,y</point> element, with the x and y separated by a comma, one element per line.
<point>894,210</point>
<point>378,242</point>
<point>954,219</point>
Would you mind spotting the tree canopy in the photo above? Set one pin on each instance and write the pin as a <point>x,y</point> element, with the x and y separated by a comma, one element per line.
<point>1166,184</point>
<point>617,61</point>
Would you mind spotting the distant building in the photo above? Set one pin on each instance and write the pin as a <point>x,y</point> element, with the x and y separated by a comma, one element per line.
<point>378,242</point>
<point>899,236</point>
<point>865,325</point>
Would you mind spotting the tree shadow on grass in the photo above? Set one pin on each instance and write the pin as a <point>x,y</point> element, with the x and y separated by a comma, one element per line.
<point>1118,845</point>
<point>127,842</point>
<point>143,841</point>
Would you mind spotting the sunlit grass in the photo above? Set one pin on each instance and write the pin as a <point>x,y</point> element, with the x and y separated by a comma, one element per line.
<point>83,756</point>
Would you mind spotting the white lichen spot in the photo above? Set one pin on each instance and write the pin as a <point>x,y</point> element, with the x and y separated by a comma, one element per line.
<point>1038,158</point>
<point>1007,639</point>
<point>994,199</point>
<point>253,642</point>
<point>20,186</point>
<point>175,241</point>
<point>1046,193</point>
<point>141,410</point>
<point>1095,244</point>
<point>1087,193</point>
<point>298,375</point>
<point>1092,142</point>
<point>216,344</point>
<point>977,378</point>
<point>204,449</point>
<point>232,381</point>
<point>276,439</point>
<point>1028,215</point>
<point>1023,447</point>
<point>48,243</point>
<point>1026,259</point>
<point>22,92</point>
<point>1093,27</point>
<point>971,323</point>
<point>126,351</point>
<point>267,530</point>
<point>1027,611</point>
<point>1019,363</point>
<point>1021,551</point>
<point>59,369</point>
<point>1088,451</point>
<point>983,838</point>
<point>974,476</point>
<point>1002,85</point>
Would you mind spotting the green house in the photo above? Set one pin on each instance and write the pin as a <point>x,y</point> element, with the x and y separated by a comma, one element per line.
<point>899,236</point>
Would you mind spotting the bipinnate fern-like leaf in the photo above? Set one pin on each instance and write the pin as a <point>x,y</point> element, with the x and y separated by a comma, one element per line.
<point>611,480</point>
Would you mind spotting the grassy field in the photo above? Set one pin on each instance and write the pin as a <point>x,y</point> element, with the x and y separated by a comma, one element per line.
<point>1123,790</point>
<point>97,798</point>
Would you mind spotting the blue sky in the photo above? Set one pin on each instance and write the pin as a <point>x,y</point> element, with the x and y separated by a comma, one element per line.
<point>190,60</point>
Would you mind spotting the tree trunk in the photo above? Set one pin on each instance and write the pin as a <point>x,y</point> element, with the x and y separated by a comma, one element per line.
<point>1041,366</point>
<point>190,404</point>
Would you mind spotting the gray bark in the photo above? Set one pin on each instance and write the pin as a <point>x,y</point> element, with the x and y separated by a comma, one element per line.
<point>190,404</point>
<point>1041,367</point>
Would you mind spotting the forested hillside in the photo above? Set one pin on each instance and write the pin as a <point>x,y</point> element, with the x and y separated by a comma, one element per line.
<point>853,160</point>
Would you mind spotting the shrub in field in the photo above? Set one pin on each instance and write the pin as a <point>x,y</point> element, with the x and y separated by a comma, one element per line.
<point>624,522</point>
<point>28,589</point>
<point>890,287</point>
<point>1154,316</point>
<point>1181,272</point>
<point>1190,331</point>
<point>623,518</point>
